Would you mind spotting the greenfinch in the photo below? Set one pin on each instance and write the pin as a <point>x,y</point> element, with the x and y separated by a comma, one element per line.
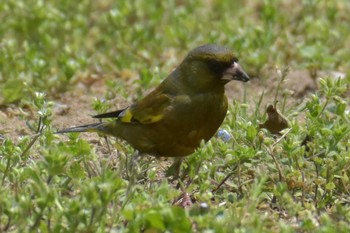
<point>186,108</point>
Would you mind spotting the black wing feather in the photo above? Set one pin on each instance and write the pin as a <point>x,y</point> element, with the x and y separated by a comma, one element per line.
<point>109,114</point>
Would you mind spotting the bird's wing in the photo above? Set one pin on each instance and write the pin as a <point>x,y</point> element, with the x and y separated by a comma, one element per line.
<point>146,111</point>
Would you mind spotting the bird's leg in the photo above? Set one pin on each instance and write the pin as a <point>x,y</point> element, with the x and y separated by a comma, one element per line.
<point>108,147</point>
<point>134,170</point>
<point>112,159</point>
<point>133,165</point>
<point>174,172</point>
<point>177,166</point>
<point>174,169</point>
<point>184,199</point>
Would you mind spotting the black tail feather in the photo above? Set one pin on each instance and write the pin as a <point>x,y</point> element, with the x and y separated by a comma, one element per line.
<point>95,127</point>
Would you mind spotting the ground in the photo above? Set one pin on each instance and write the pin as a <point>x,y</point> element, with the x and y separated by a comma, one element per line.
<point>75,107</point>
<point>67,60</point>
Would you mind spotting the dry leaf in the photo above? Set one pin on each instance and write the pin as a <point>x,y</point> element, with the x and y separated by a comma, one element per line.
<point>275,121</point>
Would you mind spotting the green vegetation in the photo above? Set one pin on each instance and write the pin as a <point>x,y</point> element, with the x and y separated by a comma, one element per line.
<point>272,184</point>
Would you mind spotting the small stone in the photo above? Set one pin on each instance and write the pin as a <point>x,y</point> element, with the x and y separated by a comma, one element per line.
<point>61,109</point>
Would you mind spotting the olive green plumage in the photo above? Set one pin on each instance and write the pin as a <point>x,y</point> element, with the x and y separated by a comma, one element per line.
<point>186,108</point>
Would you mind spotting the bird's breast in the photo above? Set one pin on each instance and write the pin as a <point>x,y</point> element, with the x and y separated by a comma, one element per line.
<point>198,117</point>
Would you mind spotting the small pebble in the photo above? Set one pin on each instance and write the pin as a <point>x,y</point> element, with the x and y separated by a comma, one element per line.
<point>61,109</point>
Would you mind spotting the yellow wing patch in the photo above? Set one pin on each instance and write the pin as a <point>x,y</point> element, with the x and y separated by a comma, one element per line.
<point>147,111</point>
<point>126,116</point>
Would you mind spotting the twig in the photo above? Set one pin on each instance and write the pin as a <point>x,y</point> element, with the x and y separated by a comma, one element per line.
<point>36,136</point>
<point>39,132</point>
<point>280,173</point>
<point>224,180</point>
<point>282,78</point>
<point>280,139</point>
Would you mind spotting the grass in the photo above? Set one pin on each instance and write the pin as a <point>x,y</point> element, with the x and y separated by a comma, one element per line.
<point>277,184</point>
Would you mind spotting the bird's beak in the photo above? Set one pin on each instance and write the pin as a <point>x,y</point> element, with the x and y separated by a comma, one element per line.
<point>235,72</point>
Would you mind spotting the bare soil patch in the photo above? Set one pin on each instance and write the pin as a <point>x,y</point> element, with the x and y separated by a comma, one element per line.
<point>74,107</point>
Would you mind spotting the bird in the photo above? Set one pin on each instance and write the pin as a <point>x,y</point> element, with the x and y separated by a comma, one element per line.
<point>188,106</point>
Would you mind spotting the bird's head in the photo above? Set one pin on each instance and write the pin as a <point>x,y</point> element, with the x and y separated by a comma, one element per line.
<point>211,65</point>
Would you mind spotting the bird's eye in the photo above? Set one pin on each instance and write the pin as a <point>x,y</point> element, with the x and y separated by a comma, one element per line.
<point>235,59</point>
<point>217,66</point>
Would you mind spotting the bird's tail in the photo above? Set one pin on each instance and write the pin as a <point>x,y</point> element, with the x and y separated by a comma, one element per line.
<point>95,127</point>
